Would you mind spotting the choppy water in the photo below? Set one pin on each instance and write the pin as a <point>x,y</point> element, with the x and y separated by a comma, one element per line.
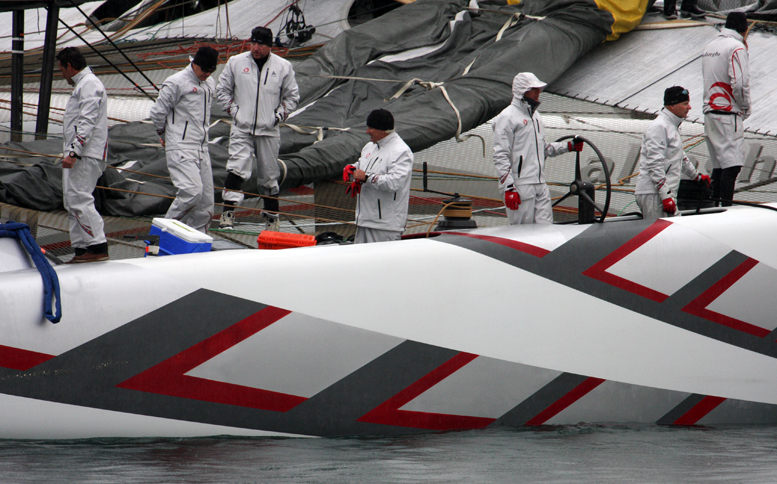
<point>584,453</point>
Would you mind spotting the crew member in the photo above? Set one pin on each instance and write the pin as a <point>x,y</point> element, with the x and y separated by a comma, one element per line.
<point>258,90</point>
<point>382,177</point>
<point>662,158</point>
<point>519,154</point>
<point>85,130</point>
<point>181,115</point>
<point>726,104</point>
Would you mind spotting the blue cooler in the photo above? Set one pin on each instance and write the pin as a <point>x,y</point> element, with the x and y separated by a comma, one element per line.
<point>178,238</point>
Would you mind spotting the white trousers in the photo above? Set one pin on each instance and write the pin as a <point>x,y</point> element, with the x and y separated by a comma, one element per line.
<point>725,140</point>
<point>366,235</point>
<point>86,224</point>
<point>243,150</point>
<point>535,207</point>
<point>193,177</point>
<point>652,208</point>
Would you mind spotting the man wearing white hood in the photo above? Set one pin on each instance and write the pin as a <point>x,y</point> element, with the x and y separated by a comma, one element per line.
<point>519,154</point>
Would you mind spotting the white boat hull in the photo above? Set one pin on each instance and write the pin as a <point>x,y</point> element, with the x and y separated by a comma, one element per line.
<point>623,322</point>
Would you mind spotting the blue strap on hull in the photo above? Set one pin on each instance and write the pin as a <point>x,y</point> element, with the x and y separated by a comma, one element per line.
<point>50,280</point>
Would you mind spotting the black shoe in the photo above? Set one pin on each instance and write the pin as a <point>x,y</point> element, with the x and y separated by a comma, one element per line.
<point>670,16</point>
<point>89,257</point>
<point>272,205</point>
<point>693,11</point>
<point>98,248</point>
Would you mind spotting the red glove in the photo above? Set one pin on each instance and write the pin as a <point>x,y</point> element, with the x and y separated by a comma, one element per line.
<point>512,199</point>
<point>354,188</point>
<point>669,206</point>
<point>576,144</point>
<point>703,180</point>
<point>348,172</point>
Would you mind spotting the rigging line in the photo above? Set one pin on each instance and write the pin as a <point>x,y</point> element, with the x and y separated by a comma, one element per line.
<point>114,45</point>
<point>106,60</point>
<point>657,80</point>
<point>249,209</point>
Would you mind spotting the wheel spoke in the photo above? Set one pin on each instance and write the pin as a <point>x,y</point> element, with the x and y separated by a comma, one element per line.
<point>562,198</point>
<point>588,199</point>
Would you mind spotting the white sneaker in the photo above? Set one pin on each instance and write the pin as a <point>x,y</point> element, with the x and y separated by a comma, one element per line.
<point>227,220</point>
<point>272,223</point>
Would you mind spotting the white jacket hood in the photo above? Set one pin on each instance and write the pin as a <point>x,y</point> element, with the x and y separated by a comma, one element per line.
<point>523,82</point>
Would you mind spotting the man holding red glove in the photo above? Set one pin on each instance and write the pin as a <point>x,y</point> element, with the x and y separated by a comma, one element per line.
<point>662,158</point>
<point>519,154</point>
<point>381,177</point>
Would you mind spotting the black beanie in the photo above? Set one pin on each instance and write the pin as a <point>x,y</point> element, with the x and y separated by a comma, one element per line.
<point>675,95</point>
<point>380,119</point>
<point>207,58</point>
<point>737,21</point>
<point>262,35</point>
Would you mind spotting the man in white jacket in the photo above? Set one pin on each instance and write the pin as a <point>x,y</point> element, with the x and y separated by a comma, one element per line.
<point>85,130</point>
<point>181,115</point>
<point>519,154</point>
<point>381,177</point>
<point>726,104</point>
<point>259,91</point>
<point>662,158</point>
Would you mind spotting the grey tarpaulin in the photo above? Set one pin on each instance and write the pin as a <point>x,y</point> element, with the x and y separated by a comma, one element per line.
<point>551,36</point>
<point>547,47</point>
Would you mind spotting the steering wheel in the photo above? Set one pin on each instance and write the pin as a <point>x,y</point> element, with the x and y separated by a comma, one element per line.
<point>582,188</point>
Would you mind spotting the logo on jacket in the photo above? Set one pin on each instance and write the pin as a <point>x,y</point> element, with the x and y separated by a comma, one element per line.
<point>525,122</point>
<point>273,74</point>
<point>724,91</point>
<point>246,70</point>
<point>194,89</point>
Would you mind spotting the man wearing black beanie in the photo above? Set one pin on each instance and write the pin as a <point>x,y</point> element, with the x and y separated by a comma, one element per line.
<point>662,159</point>
<point>181,115</point>
<point>381,177</point>
<point>726,72</point>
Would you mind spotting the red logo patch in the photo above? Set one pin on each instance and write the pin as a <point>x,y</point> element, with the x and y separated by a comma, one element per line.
<point>525,122</point>
<point>246,70</point>
<point>194,90</point>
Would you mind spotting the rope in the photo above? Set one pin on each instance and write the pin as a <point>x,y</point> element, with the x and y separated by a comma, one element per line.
<point>513,20</point>
<point>50,280</point>
<point>106,60</point>
<point>316,130</point>
<point>114,45</point>
<point>429,85</point>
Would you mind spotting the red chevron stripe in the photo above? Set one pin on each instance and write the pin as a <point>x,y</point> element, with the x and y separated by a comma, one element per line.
<point>698,307</point>
<point>169,378</point>
<point>599,270</point>
<point>19,359</point>
<point>513,244</point>
<point>576,394</point>
<point>388,413</point>
<point>701,409</point>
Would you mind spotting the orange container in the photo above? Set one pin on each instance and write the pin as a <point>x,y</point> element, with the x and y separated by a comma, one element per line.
<point>281,240</point>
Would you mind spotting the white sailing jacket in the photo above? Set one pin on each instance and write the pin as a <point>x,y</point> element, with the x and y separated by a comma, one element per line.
<point>662,158</point>
<point>519,145</point>
<point>181,113</point>
<point>86,117</point>
<point>384,198</point>
<point>726,72</point>
<point>257,100</point>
